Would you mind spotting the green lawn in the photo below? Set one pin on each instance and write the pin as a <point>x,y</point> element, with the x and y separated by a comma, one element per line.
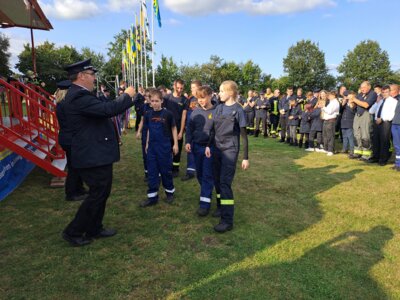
<point>306,226</point>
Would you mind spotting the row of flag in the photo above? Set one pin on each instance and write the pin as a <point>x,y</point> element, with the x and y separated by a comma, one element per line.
<point>138,34</point>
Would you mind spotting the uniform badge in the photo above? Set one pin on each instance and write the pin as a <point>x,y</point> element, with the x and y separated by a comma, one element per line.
<point>210,116</point>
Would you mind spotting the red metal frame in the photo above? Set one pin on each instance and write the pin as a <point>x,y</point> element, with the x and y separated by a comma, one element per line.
<point>37,126</point>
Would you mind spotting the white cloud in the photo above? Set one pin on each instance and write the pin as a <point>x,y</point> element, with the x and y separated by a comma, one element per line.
<point>16,46</point>
<point>119,5</point>
<point>70,9</point>
<point>256,7</point>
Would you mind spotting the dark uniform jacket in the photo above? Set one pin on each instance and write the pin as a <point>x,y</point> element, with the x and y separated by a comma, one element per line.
<point>273,104</point>
<point>94,141</point>
<point>316,121</point>
<point>370,98</point>
<point>295,112</point>
<point>305,123</point>
<point>347,117</point>
<point>65,133</point>
<point>284,103</point>
<point>261,108</point>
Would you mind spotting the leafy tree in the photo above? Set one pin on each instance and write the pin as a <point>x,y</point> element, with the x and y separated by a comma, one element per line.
<point>395,77</point>
<point>251,77</point>
<point>50,62</point>
<point>305,66</point>
<point>4,55</point>
<point>167,71</point>
<point>281,83</point>
<point>366,61</point>
<point>98,60</point>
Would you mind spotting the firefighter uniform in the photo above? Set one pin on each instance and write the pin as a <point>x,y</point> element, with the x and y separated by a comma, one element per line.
<point>362,126</point>
<point>176,105</point>
<point>227,123</point>
<point>261,107</point>
<point>274,115</point>
<point>198,136</point>
<point>159,153</point>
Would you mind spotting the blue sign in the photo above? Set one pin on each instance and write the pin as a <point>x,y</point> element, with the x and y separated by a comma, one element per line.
<point>13,170</point>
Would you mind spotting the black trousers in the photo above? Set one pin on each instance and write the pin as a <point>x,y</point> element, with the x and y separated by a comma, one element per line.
<point>381,141</point>
<point>274,119</point>
<point>250,119</point>
<point>73,183</point>
<point>176,161</point>
<point>224,171</point>
<point>284,124</point>
<point>314,133</point>
<point>138,119</point>
<point>328,133</point>
<point>261,120</point>
<point>89,217</point>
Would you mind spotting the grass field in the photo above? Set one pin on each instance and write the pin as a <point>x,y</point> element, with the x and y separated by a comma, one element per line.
<point>306,226</point>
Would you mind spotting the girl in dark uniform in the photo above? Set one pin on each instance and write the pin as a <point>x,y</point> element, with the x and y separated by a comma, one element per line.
<point>229,123</point>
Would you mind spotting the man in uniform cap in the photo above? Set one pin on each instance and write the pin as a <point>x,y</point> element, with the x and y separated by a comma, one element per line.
<point>74,190</point>
<point>94,149</point>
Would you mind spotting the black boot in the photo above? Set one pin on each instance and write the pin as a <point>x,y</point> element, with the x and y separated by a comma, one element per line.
<point>301,144</point>
<point>256,133</point>
<point>306,144</point>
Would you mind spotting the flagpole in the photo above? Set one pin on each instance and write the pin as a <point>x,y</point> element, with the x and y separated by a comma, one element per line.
<point>141,56</point>
<point>152,44</point>
<point>145,60</point>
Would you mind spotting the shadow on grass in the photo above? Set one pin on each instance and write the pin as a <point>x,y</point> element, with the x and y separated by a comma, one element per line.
<point>337,269</point>
<point>166,248</point>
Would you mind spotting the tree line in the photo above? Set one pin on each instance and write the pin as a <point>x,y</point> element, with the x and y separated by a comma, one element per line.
<point>304,66</point>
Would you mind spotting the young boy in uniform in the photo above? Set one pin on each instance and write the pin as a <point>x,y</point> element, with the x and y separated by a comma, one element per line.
<point>197,138</point>
<point>161,128</point>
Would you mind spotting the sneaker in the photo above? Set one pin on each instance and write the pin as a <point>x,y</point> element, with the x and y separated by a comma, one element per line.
<point>329,154</point>
<point>310,149</point>
<point>202,212</point>
<point>223,227</point>
<point>317,150</point>
<point>323,151</point>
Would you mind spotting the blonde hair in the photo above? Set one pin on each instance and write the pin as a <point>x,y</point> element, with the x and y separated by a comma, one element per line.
<point>59,95</point>
<point>231,87</point>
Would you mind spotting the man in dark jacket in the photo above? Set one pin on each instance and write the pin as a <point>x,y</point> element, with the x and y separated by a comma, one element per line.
<point>94,149</point>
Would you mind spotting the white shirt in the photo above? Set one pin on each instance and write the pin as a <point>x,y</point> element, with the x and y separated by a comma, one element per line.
<point>389,107</point>
<point>332,110</point>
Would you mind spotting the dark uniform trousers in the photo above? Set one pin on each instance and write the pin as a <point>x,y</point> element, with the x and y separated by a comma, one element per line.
<point>73,183</point>
<point>261,118</point>
<point>144,155</point>
<point>381,141</point>
<point>224,172</point>
<point>284,124</point>
<point>89,217</point>
<point>176,161</point>
<point>274,120</point>
<point>204,168</point>
<point>225,158</point>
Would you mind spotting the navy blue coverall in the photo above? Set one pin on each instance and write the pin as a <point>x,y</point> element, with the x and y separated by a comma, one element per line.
<point>159,152</point>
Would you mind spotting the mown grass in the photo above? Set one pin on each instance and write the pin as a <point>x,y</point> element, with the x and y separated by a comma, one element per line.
<point>306,226</point>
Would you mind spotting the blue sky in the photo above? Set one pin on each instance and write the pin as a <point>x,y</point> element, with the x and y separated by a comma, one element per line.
<point>235,30</point>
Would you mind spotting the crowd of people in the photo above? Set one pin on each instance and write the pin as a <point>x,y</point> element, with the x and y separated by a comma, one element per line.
<point>210,127</point>
<point>366,122</point>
